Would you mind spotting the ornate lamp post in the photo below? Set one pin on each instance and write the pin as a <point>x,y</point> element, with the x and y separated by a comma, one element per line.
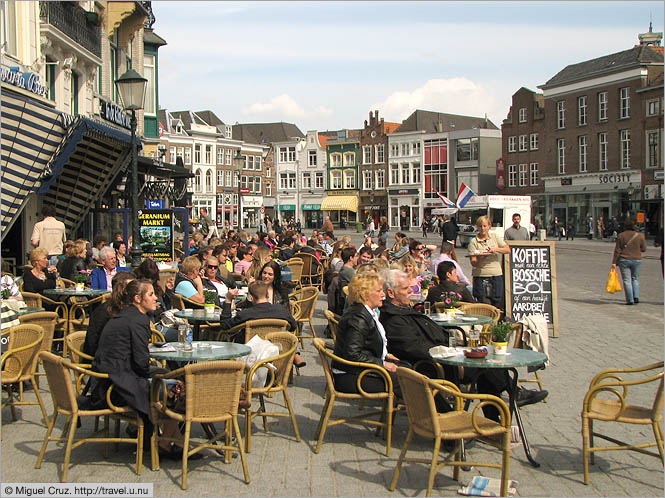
<point>131,87</point>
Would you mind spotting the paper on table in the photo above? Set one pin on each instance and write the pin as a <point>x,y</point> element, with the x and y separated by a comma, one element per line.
<point>163,349</point>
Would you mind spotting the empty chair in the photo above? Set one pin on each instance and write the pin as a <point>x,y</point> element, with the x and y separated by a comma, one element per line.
<point>303,305</point>
<point>62,324</point>
<point>264,326</point>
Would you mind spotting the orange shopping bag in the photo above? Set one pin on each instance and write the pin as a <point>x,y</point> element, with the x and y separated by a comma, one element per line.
<point>613,284</point>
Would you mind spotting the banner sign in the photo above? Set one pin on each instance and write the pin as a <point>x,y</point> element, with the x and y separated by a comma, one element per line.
<point>530,271</point>
<point>156,229</point>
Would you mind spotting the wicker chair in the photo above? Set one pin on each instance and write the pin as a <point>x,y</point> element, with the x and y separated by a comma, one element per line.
<point>303,309</point>
<point>296,267</point>
<point>79,315</point>
<point>39,301</point>
<point>75,342</point>
<point>276,382</point>
<point>18,363</point>
<point>484,310</point>
<point>386,397</point>
<point>58,373</point>
<point>333,322</point>
<point>618,410</point>
<point>263,327</point>
<point>456,425</point>
<point>309,273</point>
<point>213,392</point>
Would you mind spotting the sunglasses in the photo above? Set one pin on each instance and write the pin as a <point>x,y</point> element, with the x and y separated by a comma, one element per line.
<point>213,267</point>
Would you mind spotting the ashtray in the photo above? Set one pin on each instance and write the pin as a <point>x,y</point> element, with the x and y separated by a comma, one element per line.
<point>475,353</point>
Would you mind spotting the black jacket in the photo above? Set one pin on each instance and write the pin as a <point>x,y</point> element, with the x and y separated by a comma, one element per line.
<point>255,312</point>
<point>450,230</point>
<point>98,321</point>
<point>123,354</point>
<point>358,339</point>
<point>71,266</point>
<point>286,253</point>
<point>434,294</point>
<point>410,334</point>
<point>34,284</point>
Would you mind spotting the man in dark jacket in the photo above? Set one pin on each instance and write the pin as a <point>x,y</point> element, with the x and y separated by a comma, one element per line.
<point>450,230</point>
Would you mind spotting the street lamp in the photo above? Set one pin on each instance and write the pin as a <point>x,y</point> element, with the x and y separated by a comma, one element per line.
<point>239,159</point>
<point>131,87</point>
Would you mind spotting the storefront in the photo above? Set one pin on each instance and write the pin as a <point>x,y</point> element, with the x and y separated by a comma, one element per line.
<point>251,210</point>
<point>373,205</point>
<point>286,212</point>
<point>312,216</point>
<point>404,208</point>
<point>270,203</point>
<point>227,210</point>
<point>342,208</point>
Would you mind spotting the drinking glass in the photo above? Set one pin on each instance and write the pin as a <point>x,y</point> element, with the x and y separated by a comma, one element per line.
<point>474,336</point>
<point>182,335</point>
<point>427,307</point>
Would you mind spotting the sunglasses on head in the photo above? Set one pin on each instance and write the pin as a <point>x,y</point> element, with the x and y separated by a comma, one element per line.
<point>214,267</point>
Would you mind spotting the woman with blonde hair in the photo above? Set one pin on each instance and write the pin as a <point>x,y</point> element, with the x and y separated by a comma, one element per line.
<point>409,267</point>
<point>41,276</point>
<point>260,257</point>
<point>362,338</point>
<point>485,251</point>
<point>336,262</point>
<point>75,260</point>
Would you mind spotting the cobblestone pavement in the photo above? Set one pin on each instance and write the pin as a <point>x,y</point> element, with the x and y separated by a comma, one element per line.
<point>597,331</point>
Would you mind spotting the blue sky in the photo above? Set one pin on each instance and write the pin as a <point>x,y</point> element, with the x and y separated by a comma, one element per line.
<point>325,65</point>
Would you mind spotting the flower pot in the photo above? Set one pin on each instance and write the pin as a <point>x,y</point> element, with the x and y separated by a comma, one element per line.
<point>500,347</point>
<point>452,311</point>
<point>79,286</point>
<point>209,308</point>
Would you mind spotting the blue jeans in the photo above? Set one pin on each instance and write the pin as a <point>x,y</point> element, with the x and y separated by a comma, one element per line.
<point>630,274</point>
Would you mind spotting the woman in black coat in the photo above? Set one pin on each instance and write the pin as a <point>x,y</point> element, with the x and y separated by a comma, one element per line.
<point>361,337</point>
<point>75,260</point>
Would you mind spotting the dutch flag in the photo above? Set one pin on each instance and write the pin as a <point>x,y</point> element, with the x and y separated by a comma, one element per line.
<point>464,195</point>
<point>447,202</point>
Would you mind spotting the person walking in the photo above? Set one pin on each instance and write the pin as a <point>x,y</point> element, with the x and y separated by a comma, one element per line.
<point>49,234</point>
<point>570,231</point>
<point>556,228</point>
<point>628,256</point>
<point>206,227</point>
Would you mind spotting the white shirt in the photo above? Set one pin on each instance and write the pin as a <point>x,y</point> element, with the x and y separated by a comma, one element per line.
<point>382,331</point>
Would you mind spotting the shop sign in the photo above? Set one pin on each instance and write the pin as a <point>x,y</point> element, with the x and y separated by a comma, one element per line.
<point>114,114</point>
<point>252,201</point>
<point>155,203</point>
<point>500,174</point>
<point>404,191</point>
<point>372,208</point>
<point>244,191</point>
<point>311,207</point>
<point>596,182</point>
<point>27,81</point>
<point>155,228</point>
<point>287,207</point>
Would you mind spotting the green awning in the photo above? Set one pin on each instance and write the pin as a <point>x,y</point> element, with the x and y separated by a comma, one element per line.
<point>287,207</point>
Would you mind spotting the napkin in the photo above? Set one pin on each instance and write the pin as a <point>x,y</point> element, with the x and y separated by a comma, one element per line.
<point>486,486</point>
<point>444,351</point>
<point>15,304</point>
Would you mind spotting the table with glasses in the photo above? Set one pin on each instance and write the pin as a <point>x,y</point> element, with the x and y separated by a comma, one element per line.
<point>72,292</point>
<point>460,320</point>
<point>29,309</point>
<point>198,316</point>
<point>217,350</point>
<point>509,364</point>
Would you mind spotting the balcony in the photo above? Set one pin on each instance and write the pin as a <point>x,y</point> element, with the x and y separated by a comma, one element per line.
<point>80,26</point>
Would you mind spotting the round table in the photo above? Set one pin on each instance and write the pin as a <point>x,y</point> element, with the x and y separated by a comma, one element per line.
<point>458,322</point>
<point>509,363</point>
<point>29,309</point>
<point>217,351</point>
<point>197,317</point>
<point>71,291</point>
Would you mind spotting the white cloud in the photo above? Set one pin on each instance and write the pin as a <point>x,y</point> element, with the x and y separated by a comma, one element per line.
<point>282,105</point>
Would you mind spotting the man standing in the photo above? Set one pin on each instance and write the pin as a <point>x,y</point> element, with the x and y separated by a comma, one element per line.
<point>516,232</point>
<point>327,225</point>
<point>206,228</point>
<point>49,234</point>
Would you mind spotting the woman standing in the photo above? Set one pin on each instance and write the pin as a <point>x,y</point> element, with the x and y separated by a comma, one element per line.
<point>384,229</point>
<point>485,250</point>
<point>628,256</point>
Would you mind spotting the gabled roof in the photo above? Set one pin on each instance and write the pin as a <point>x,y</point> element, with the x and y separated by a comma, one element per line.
<point>185,117</point>
<point>211,119</point>
<point>429,122</point>
<point>264,133</point>
<point>621,61</point>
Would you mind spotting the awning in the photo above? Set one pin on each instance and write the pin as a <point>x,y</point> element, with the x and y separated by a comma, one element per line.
<point>82,168</point>
<point>31,133</point>
<point>340,202</point>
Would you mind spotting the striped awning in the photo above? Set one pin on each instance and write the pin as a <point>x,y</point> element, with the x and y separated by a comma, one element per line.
<point>31,133</point>
<point>340,202</point>
<point>83,167</point>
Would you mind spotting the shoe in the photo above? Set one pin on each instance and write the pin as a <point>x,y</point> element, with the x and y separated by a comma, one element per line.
<point>175,453</point>
<point>529,397</point>
<point>636,301</point>
<point>244,404</point>
<point>300,365</point>
<point>629,304</point>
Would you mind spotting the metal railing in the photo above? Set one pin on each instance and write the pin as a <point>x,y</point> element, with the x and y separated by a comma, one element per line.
<point>74,22</point>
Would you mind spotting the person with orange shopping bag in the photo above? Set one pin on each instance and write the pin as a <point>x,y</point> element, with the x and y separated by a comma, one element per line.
<point>628,256</point>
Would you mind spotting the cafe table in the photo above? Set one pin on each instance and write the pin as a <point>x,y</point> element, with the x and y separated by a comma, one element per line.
<point>197,317</point>
<point>460,320</point>
<point>29,309</point>
<point>72,292</point>
<point>509,364</point>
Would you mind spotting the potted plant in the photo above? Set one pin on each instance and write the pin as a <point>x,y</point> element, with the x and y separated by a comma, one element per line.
<point>210,296</point>
<point>425,283</point>
<point>450,300</point>
<point>500,333</point>
<point>81,278</point>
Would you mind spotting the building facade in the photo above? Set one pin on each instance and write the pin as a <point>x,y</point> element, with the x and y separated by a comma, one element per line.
<point>312,169</point>
<point>343,156</point>
<point>288,160</point>
<point>599,125</point>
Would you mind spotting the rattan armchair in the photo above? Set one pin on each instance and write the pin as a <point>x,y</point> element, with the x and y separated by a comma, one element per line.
<point>312,271</point>
<point>302,309</point>
<point>386,397</point>
<point>182,303</point>
<point>296,267</point>
<point>418,392</point>
<point>18,363</point>
<point>48,320</point>
<point>617,409</point>
<point>276,382</point>
<point>213,391</point>
<point>80,313</point>
<point>75,342</point>
<point>64,395</point>
<point>62,323</point>
<point>264,326</point>
<point>333,322</point>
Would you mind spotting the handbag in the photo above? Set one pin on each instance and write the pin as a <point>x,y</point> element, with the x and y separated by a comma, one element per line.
<point>613,284</point>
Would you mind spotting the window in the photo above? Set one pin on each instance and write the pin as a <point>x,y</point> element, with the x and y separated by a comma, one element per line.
<point>287,181</point>
<point>336,159</point>
<point>318,179</point>
<point>533,174</point>
<point>220,155</point>
<point>625,149</point>
<point>172,155</point>
<point>220,199</point>
<point>652,108</point>
<point>113,72</point>
<point>380,180</point>
<point>197,180</point>
<point>602,151</point>
<point>311,158</point>
<point>227,175</point>
<point>287,154</point>
<point>367,154</point>
<point>9,24</point>
<point>257,163</point>
<point>74,94</point>
<point>467,149</point>
<point>229,157</point>
<point>349,159</point>
<point>181,152</point>
<point>511,144</point>
<point>522,115</point>
<point>208,181</point>
<point>415,172</point>
<point>50,76</point>
<point>624,103</point>
<point>379,157</point>
<point>581,145</point>
<point>581,110</point>
<point>150,94</point>
<point>415,148</point>
<point>652,152</point>
<point>394,150</point>
<point>188,156</point>
<point>406,173</point>
<point>602,106</point>
<point>336,177</point>
<point>560,114</point>
<point>394,174</point>
<point>367,180</point>
<point>534,141</point>
<point>249,162</point>
<point>349,179</point>
<point>405,149</point>
<point>197,154</point>
<point>512,175</point>
<point>243,182</point>
<point>306,180</point>
<point>228,131</point>
<point>523,175</point>
<point>522,143</point>
<point>268,189</point>
<point>220,178</point>
<point>235,180</point>
<point>561,157</point>
<point>208,154</point>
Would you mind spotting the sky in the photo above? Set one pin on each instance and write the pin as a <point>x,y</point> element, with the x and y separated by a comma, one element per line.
<point>326,65</point>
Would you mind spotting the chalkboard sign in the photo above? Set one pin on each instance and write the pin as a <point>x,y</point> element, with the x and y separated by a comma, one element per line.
<point>530,279</point>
